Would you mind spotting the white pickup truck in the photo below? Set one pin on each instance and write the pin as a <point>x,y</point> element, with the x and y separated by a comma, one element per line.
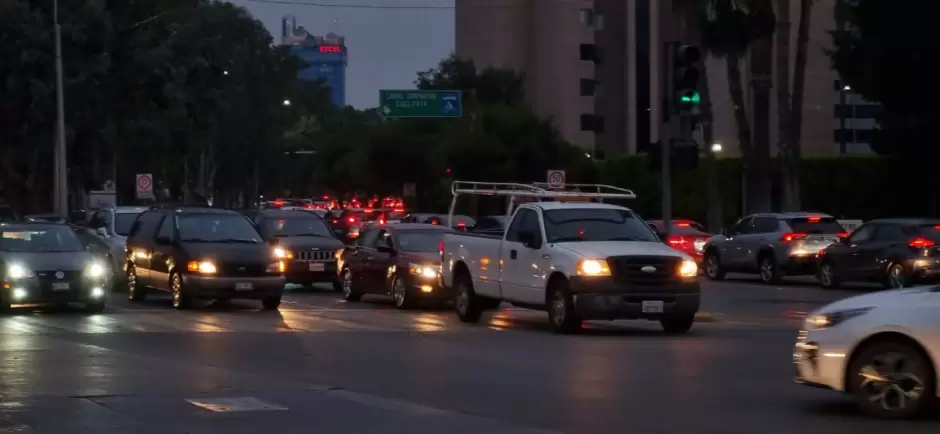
<point>576,260</point>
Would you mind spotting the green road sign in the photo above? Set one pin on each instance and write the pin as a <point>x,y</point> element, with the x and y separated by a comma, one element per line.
<point>420,103</point>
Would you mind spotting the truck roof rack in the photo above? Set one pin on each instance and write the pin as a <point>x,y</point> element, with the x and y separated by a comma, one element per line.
<point>540,190</point>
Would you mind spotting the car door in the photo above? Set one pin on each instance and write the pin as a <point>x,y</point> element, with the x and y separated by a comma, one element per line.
<point>162,256</point>
<point>762,232</point>
<point>849,261</point>
<point>520,274</point>
<point>140,244</point>
<point>732,250</point>
<point>381,261</point>
<point>875,254</point>
<point>357,256</point>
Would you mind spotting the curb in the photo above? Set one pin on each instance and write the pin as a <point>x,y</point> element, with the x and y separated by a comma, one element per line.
<point>705,317</point>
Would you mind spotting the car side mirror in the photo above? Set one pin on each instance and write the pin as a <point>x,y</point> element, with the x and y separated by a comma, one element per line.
<point>529,240</point>
<point>164,240</point>
<point>102,232</point>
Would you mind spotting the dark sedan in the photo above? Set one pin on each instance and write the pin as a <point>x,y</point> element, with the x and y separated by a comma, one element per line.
<point>45,263</point>
<point>305,242</point>
<point>400,260</point>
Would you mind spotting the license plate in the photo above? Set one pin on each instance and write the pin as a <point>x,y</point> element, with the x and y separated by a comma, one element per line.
<point>655,306</point>
<point>317,266</point>
<point>63,286</point>
<point>243,286</point>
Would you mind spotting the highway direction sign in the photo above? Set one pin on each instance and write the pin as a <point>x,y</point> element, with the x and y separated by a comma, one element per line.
<point>420,103</point>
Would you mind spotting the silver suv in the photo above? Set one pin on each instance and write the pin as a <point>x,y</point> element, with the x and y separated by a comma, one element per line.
<point>772,245</point>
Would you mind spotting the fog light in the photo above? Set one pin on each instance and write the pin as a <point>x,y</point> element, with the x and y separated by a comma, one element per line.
<point>427,288</point>
<point>97,292</point>
<point>19,293</point>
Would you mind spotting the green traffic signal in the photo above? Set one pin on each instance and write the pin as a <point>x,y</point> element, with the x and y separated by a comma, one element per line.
<point>692,97</point>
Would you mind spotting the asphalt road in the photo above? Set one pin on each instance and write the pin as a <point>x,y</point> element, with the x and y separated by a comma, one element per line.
<point>322,366</point>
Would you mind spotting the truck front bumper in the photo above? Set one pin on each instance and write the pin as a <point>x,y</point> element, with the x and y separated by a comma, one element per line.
<point>605,298</point>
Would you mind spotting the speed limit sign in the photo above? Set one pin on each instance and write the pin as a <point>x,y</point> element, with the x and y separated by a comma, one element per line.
<point>556,179</point>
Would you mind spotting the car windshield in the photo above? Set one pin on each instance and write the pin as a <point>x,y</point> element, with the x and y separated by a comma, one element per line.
<point>123,222</point>
<point>420,241</point>
<point>298,227</point>
<point>217,228</point>
<point>35,240</point>
<point>596,224</point>
<point>811,225</point>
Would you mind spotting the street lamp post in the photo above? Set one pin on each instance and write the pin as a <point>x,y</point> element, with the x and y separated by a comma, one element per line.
<point>843,148</point>
<point>61,195</point>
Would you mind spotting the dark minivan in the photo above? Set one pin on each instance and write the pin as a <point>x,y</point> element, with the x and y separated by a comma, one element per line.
<point>201,253</point>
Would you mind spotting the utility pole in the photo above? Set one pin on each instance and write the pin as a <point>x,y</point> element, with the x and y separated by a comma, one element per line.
<point>61,187</point>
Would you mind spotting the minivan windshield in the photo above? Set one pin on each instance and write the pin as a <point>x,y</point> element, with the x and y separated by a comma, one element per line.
<point>298,227</point>
<point>596,224</point>
<point>40,240</point>
<point>217,228</point>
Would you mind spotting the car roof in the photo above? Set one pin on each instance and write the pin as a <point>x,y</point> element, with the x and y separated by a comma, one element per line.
<point>548,206</point>
<point>419,227</point>
<point>793,215</point>
<point>906,221</point>
<point>197,210</point>
<point>283,213</point>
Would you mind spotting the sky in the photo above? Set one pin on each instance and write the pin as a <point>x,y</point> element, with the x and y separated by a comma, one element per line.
<point>387,46</point>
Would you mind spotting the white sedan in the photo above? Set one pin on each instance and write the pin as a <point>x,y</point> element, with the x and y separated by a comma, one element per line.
<point>883,348</point>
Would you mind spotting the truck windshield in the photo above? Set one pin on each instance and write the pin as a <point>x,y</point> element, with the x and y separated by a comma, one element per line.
<point>595,224</point>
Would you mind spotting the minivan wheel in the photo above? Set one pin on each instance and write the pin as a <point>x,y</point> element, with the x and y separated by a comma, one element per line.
<point>135,292</point>
<point>348,293</point>
<point>181,300</point>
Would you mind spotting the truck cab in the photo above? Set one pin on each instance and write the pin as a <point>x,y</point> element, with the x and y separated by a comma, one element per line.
<point>576,260</point>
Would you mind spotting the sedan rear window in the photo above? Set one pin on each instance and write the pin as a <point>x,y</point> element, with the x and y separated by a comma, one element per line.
<point>928,231</point>
<point>812,225</point>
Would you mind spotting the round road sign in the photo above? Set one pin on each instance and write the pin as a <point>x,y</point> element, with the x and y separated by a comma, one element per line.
<point>556,179</point>
<point>144,182</point>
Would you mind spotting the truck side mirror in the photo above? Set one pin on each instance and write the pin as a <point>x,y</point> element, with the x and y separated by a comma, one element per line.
<point>529,240</point>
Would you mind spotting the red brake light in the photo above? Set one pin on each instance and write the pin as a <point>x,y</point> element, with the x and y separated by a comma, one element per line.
<point>683,224</point>
<point>920,242</point>
<point>936,228</point>
<point>461,224</point>
<point>814,219</point>
<point>435,222</point>
<point>308,206</point>
<point>676,241</point>
<point>843,234</point>
<point>335,220</point>
<point>792,236</point>
<point>351,219</point>
<point>381,221</point>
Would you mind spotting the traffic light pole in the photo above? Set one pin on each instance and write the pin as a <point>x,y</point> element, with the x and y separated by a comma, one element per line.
<point>666,133</point>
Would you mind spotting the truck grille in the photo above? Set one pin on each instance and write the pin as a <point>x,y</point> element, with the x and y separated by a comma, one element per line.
<point>630,269</point>
<point>242,270</point>
<point>315,255</point>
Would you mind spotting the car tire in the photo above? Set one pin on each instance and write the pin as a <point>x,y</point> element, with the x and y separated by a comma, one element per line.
<point>677,323</point>
<point>896,277</point>
<point>400,294</point>
<point>95,306</point>
<point>884,369</point>
<point>562,316</point>
<point>181,299</point>
<point>828,277</point>
<point>135,291</point>
<point>712,263</point>
<point>467,303</point>
<point>271,303</point>
<point>349,292</point>
<point>769,270</point>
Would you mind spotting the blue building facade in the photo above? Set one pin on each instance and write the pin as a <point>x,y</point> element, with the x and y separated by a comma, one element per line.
<point>326,57</point>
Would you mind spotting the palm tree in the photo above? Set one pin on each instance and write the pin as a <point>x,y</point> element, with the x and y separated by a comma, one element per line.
<point>732,29</point>
<point>791,106</point>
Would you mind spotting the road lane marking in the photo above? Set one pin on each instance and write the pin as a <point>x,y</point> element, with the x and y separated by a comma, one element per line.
<point>232,405</point>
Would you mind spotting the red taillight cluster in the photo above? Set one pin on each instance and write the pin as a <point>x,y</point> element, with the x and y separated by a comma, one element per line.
<point>442,251</point>
<point>461,224</point>
<point>920,243</point>
<point>381,221</point>
<point>792,236</point>
<point>843,234</point>
<point>351,219</point>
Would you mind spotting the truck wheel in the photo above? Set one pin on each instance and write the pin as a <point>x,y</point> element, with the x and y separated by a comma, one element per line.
<point>678,323</point>
<point>468,304</point>
<point>561,313</point>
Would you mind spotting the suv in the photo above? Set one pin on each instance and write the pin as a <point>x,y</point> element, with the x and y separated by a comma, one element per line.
<point>772,245</point>
<point>112,225</point>
<point>201,253</point>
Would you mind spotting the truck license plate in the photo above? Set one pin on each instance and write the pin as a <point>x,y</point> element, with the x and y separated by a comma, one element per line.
<point>655,306</point>
<point>63,286</point>
<point>243,286</point>
<point>315,266</point>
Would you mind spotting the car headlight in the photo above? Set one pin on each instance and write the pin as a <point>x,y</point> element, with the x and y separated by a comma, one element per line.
<point>18,271</point>
<point>204,267</point>
<point>688,269</point>
<point>834,318</point>
<point>282,254</point>
<point>95,269</point>
<point>423,270</point>
<point>593,267</point>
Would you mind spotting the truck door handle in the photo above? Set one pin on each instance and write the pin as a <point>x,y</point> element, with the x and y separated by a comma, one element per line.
<point>513,254</point>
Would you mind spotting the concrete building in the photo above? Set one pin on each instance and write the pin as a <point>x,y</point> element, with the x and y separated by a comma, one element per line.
<point>326,56</point>
<point>593,67</point>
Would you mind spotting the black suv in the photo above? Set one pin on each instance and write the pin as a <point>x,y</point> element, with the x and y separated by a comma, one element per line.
<point>201,253</point>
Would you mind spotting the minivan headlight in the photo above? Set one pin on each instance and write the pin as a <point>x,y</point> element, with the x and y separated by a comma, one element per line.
<point>18,271</point>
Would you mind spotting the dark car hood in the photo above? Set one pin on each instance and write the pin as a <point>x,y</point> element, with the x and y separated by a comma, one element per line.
<point>229,252</point>
<point>425,258</point>
<point>49,261</point>
<point>299,243</point>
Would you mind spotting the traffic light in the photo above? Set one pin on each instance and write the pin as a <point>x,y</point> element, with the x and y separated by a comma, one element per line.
<point>687,77</point>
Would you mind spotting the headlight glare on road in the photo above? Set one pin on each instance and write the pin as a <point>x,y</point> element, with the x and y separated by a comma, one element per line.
<point>203,267</point>
<point>95,270</point>
<point>593,267</point>
<point>834,318</point>
<point>688,269</point>
<point>18,271</point>
<point>427,271</point>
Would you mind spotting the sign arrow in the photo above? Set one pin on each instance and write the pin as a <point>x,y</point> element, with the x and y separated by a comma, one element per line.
<point>386,110</point>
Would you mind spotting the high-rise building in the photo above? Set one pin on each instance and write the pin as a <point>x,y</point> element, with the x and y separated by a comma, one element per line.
<point>325,56</point>
<point>593,66</point>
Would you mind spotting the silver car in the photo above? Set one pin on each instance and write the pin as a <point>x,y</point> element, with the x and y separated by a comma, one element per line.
<point>112,226</point>
<point>772,245</point>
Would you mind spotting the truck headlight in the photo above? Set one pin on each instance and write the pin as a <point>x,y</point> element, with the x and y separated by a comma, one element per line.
<point>95,270</point>
<point>834,318</point>
<point>282,254</point>
<point>18,271</point>
<point>593,267</point>
<point>688,269</point>
<point>203,267</point>
<point>423,270</point>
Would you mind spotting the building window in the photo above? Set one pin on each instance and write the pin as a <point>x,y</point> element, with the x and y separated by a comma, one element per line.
<point>592,19</point>
<point>589,87</point>
<point>589,53</point>
<point>590,122</point>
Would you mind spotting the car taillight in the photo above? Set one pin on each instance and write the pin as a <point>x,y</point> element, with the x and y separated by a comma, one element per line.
<point>843,234</point>
<point>920,243</point>
<point>461,224</point>
<point>381,221</point>
<point>792,236</point>
<point>351,219</point>
<point>676,241</point>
